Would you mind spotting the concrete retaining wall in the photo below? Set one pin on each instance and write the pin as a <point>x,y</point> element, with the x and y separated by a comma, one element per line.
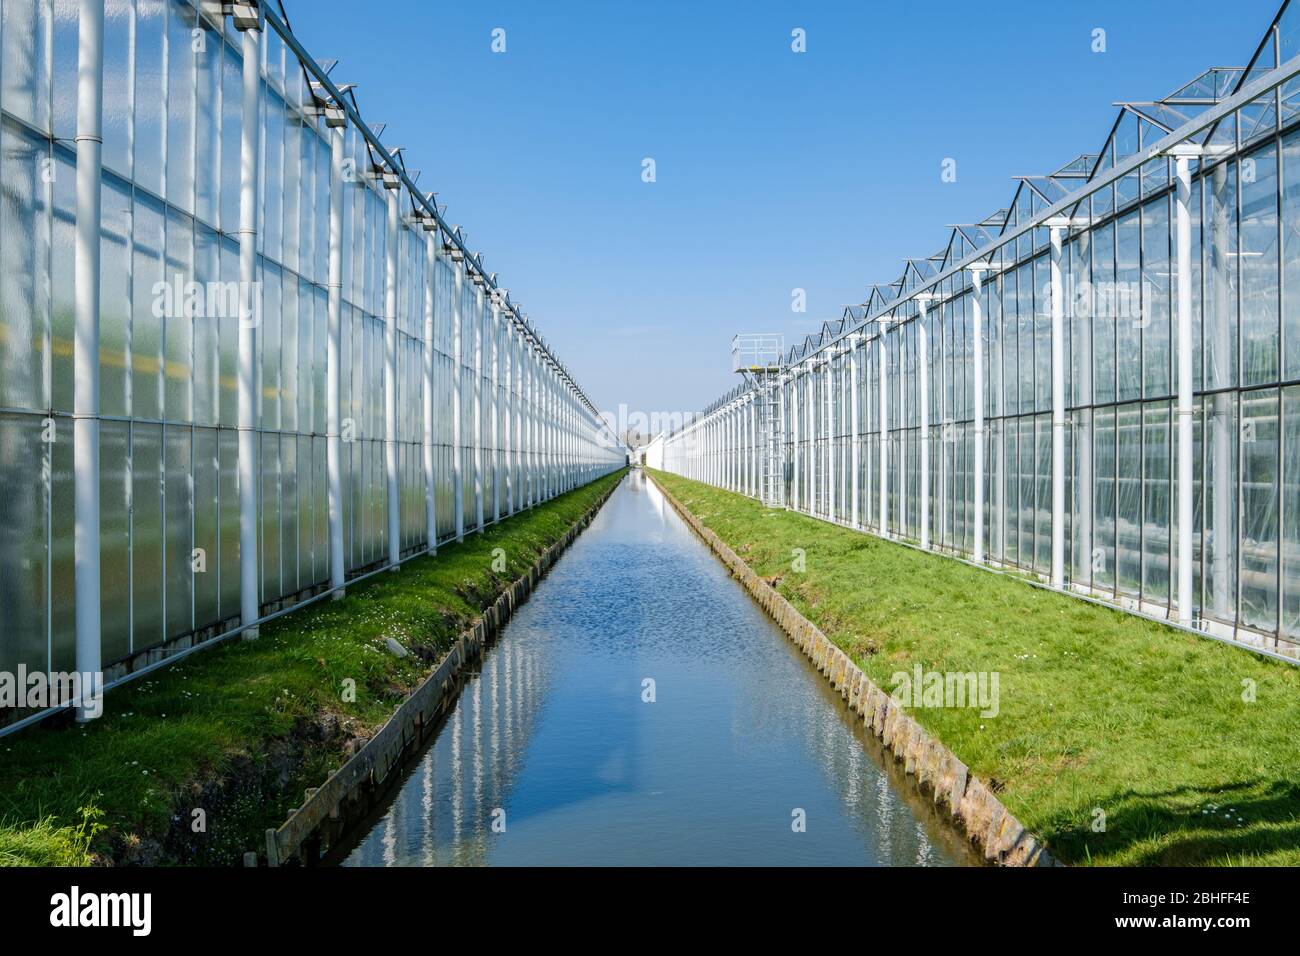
<point>935,768</point>
<point>329,811</point>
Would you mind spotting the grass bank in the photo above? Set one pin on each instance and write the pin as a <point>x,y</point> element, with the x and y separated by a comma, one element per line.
<point>1105,720</point>
<point>229,738</point>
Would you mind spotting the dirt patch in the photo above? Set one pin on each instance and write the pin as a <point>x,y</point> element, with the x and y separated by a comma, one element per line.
<point>221,815</point>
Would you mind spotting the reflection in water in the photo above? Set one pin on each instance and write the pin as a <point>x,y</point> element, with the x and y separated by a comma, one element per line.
<point>553,738</point>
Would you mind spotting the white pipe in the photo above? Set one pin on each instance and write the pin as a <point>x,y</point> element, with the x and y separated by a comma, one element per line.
<point>923,387</point>
<point>430,496</point>
<point>508,438</point>
<point>530,421</point>
<point>753,446</point>
<point>478,409</point>
<point>544,425</point>
<point>884,432</point>
<point>1184,385</point>
<point>457,452</point>
<point>1057,297</point>
<point>520,495</point>
<point>855,454</point>
<point>333,352</point>
<point>496,412</point>
<point>830,439</point>
<point>977,335</point>
<point>86,292</point>
<point>810,410</point>
<point>250,317</point>
<point>794,442</point>
<point>390,384</point>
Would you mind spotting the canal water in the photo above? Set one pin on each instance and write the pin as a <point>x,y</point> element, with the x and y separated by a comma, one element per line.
<point>641,709</point>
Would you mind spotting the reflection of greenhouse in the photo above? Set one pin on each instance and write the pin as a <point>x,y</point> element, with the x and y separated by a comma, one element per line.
<point>385,393</point>
<point>1098,454</point>
<point>449,804</point>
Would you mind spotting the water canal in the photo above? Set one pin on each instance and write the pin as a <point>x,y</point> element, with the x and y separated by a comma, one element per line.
<point>553,755</point>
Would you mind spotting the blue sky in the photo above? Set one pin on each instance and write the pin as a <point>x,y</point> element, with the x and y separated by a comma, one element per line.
<point>774,170</point>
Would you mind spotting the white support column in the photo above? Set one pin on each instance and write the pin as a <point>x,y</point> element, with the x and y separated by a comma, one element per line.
<point>753,445</point>
<point>478,410</point>
<point>977,334</point>
<point>534,457</point>
<point>249,318</point>
<point>426,393</point>
<point>390,385</point>
<point>548,430</point>
<point>727,446</point>
<point>508,447</point>
<point>829,483</point>
<point>333,372</point>
<point>923,396</point>
<point>86,408</point>
<point>733,443</point>
<point>721,449</point>
<point>884,430</point>
<point>714,463</point>
<point>855,454</point>
<point>795,429</point>
<point>544,425</point>
<point>496,411</point>
<point>457,439</point>
<point>525,422</point>
<point>810,409</point>
<point>1184,383</point>
<point>1056,295</point>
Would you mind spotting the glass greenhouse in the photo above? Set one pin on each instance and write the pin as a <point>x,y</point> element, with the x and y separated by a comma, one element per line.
<point>1098,384</point>
<point>243,360</point>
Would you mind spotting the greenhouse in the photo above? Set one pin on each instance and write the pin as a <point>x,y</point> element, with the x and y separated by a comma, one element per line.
<point>243,359</point>
<point>1097,386</point>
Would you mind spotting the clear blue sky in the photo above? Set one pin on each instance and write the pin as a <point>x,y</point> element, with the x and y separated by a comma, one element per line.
<point>775,170</point>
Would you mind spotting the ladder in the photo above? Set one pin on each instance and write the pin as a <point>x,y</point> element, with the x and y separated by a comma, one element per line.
<point>772,441</point>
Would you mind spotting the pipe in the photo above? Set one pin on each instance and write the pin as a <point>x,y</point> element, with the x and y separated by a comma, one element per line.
<point>430,496</point>
<point>830,439</point>
<point>923,387</point>
<point>457,452</point>
<point>1057,297</point>
<point>884,433</point>
<point>1184,385</point>
<point>794,442</point>
<point>390,384</point>
<point>496,413</point>
<point>855,454</point>
<point>977,335</point>
<point>333,353</point>
<point>810,462</point>
<point>478,410</point>
<point>508,442</point>
<point>86,292</point>
<point>249,319</point>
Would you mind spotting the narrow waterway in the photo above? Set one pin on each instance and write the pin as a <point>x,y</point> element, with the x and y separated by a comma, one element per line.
<point>554,753</point>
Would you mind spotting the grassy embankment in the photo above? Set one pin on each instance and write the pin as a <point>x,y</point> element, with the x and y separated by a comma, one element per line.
<point>1098,709</point>
<point>240,730</point>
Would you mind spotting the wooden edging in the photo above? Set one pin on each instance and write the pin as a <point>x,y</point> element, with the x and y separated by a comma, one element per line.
<point>966,798</point>
<point>350,792</point>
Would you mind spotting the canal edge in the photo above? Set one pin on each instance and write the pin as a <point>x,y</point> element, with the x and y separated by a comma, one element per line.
<point>350,791</point>
<point>967,799</point>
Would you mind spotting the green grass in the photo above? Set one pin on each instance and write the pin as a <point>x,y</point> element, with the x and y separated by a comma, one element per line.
<point>1099,710</point>
<point>239,730</point>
